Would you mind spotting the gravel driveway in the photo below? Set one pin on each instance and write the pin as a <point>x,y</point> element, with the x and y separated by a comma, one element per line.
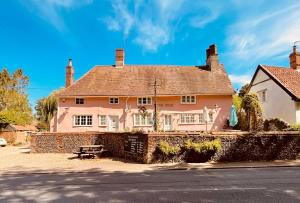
<point>13,160</point>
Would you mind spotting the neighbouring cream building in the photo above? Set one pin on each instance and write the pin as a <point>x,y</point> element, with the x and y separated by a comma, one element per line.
<point>278,89</point>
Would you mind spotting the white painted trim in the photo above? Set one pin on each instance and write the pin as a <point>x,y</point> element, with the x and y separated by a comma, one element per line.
<point>137,101</point>
<point>113,98</point>
<point>79,98</point>
<point>74,118</point>
<point>99,121</point>
<point>195,102</point>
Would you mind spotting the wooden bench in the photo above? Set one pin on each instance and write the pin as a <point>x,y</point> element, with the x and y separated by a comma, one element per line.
<point>90,150</point>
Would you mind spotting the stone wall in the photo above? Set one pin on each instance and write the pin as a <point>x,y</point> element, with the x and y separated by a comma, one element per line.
<point>236,146</point>
<point>68,142</point>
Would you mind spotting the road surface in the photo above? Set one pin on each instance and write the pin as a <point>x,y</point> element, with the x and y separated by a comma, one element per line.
<point>280,184</point>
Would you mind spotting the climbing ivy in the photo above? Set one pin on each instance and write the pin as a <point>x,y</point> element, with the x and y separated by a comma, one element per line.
<point>253,112</point>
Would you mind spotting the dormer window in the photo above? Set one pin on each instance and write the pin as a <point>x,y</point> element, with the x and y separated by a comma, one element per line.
<point>114,100</point>
<point>79,101</point>
<point>144,100</point>
<point>189,99</point>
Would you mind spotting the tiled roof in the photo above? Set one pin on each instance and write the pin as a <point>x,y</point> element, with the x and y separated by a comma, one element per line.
<point>138,80</point>
<point>287,77</point>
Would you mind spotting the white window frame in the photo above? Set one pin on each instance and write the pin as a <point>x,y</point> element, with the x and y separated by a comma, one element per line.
<point>211,117</point>
<point>201,118</point>
<point>187,118</point>
<point>262,95</point>
<point>142,98</point>
<point>146,124</point>
<point>83,101</point>
<point>100,121</point>
<point>114,98</point>
<point>187,99</point>
<point>80,120</point>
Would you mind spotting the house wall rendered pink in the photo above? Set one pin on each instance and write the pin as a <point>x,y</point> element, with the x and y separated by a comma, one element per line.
<point>218,106</point>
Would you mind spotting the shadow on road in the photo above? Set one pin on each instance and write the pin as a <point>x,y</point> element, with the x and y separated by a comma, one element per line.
<point>153,186</point>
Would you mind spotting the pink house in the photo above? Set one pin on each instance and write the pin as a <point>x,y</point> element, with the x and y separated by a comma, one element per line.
<point>123,97</point>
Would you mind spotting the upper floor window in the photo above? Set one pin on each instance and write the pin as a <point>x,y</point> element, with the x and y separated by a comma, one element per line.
<point>113,100</point>
<point>188,99</point>
<point>187,119</point>
<point>79,101</point>
<point>144,100</point>
<point>83,120</point>
<point>262,95</point>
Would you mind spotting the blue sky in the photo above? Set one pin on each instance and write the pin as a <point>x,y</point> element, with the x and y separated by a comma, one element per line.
<point>40,35</point>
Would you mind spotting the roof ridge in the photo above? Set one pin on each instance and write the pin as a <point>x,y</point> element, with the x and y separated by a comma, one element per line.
<point>274,66</point>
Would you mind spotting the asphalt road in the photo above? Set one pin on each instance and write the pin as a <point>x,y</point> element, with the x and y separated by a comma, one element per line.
<point>208,185</point>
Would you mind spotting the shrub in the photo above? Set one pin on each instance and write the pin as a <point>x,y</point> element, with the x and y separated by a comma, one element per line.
<point>295,127</point>
<point>275,124</point>
<point>167,149</point>
<point>203,147</point>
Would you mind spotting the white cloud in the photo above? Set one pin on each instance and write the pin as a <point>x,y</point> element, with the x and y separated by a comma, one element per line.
<point>49,10</point>
<point>240,79</point>
<point>154,23</point>
<point>267,34</point>
<point>151,36</point>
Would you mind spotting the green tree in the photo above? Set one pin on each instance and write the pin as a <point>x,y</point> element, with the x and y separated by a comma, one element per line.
<point>14,105</point>
<point>46,108</point>
<point>244,89</point>
<point>253,112</point>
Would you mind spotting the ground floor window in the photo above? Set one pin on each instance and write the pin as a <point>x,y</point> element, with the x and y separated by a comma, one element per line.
<point>142,120</point>
<point>187,118</point>
<point>102,120</point>
<point>211,117</point>
<point>83,120</point>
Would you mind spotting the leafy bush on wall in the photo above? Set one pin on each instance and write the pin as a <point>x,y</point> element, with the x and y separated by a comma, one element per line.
<point>203,147</point>
<point>167,149</point>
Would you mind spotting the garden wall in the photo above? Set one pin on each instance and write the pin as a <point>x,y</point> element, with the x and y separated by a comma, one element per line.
<point>68,142</point>
<point>235,146</point>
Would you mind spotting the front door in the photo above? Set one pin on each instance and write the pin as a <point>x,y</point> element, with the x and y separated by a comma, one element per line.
<point>168,123</point>
<point>113,123</point>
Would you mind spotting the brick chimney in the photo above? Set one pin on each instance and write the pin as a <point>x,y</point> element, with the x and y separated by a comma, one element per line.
<point>69,74</point>
<point>212,61</point>
<point>120,56</point>
<point>295,59</point>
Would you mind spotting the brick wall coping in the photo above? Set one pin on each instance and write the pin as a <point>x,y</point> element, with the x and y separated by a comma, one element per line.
<point>226,134</point>
<point>181,134</point>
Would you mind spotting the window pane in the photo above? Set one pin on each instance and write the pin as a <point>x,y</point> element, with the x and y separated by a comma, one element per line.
<point>183,99</point>
<point>77,120</point>
<point>83,120</point>
<point>188,99</point>
<point>182,118</point>
<point>201,118</point>
<point>149,100</point>
<point>89,120</point>
<point>139,100</point>
<point>211,117</point>
<point>193,99</point>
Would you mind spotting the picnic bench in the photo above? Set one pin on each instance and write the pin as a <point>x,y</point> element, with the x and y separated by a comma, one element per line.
<point>90,150</point>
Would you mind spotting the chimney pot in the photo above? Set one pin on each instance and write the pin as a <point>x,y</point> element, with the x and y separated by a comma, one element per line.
<point>295,59</point>
<point>212,61</point>
<point>120,56</point>
<point>69,74</point>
